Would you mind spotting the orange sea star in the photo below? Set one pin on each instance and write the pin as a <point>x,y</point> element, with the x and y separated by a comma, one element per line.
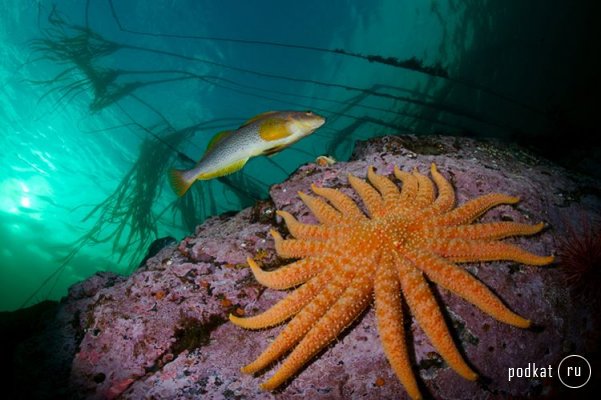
<point>350,256</point>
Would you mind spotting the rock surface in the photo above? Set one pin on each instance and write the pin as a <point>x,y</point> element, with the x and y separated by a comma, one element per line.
<point>163,332</point>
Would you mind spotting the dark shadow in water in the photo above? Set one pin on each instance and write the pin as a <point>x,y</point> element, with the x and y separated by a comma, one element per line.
<point>126,218</point>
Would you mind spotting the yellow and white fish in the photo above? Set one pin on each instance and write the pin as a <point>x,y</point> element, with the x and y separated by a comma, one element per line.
<point>228,151</point>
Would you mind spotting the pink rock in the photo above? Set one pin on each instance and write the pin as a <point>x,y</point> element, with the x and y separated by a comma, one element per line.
<point>163,331</point>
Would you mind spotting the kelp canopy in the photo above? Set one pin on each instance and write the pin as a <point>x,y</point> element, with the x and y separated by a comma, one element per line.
<point>152,81</point>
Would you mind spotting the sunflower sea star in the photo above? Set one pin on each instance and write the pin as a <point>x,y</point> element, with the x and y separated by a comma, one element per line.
<point>407,236</point>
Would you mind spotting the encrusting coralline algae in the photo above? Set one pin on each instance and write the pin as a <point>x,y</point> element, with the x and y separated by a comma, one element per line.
<point>163,331</point>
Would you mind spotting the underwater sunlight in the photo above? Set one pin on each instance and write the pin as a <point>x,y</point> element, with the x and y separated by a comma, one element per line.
<point>161,156</point>
<point>87,90</point>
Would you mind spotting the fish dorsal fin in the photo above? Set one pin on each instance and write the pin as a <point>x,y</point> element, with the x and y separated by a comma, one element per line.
<point>218,138</point>
<point>274,129</point>
<point>258,117</point>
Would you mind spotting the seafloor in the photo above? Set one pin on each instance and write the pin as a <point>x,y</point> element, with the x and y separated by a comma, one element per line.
<point>163,332</point>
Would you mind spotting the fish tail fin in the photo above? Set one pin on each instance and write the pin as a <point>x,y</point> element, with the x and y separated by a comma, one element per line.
<point>178,181</point>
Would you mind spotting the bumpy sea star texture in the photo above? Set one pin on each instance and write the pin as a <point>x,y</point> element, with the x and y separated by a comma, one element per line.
<point>163,332</point>
<point>352,257</point>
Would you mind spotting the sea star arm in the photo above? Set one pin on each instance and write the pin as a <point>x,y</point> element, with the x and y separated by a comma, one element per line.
<point>325,213</point>
<point>389,315</point>
<point>344,311</point>
<point>460,250</point>
<point>464,285</point>
<point>446,195</point>
<point>296,248</point>
<point>389,191</point>
<point>409,189</point>
<point>427,313</point>
<point>290,275</point>
<point>370,196</point>
<point>471,210</point>
<point>342,202</point>
<point>288,306</point>
<point>303,320</point>
<point>404,245</point>
<point>485,231</point>
<point>425,191</point>
<point>308,231</point>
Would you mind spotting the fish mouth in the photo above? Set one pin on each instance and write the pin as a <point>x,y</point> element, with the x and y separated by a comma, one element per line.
<point>316,121</point>
<point>309,122</point>
<point>317,125</point>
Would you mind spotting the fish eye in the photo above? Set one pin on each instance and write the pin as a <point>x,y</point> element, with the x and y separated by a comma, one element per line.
<point>308,112</point>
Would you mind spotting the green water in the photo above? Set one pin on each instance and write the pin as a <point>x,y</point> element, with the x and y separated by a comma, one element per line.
<point>494,70</point>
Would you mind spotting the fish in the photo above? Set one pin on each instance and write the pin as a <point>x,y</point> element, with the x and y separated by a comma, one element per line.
<point>264,134</point>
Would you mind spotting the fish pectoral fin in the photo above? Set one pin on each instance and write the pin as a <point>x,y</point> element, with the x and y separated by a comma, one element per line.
<point>218,138</point>
<point>274,129</point>
<point>258,117</point>
<point>226,170</point>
